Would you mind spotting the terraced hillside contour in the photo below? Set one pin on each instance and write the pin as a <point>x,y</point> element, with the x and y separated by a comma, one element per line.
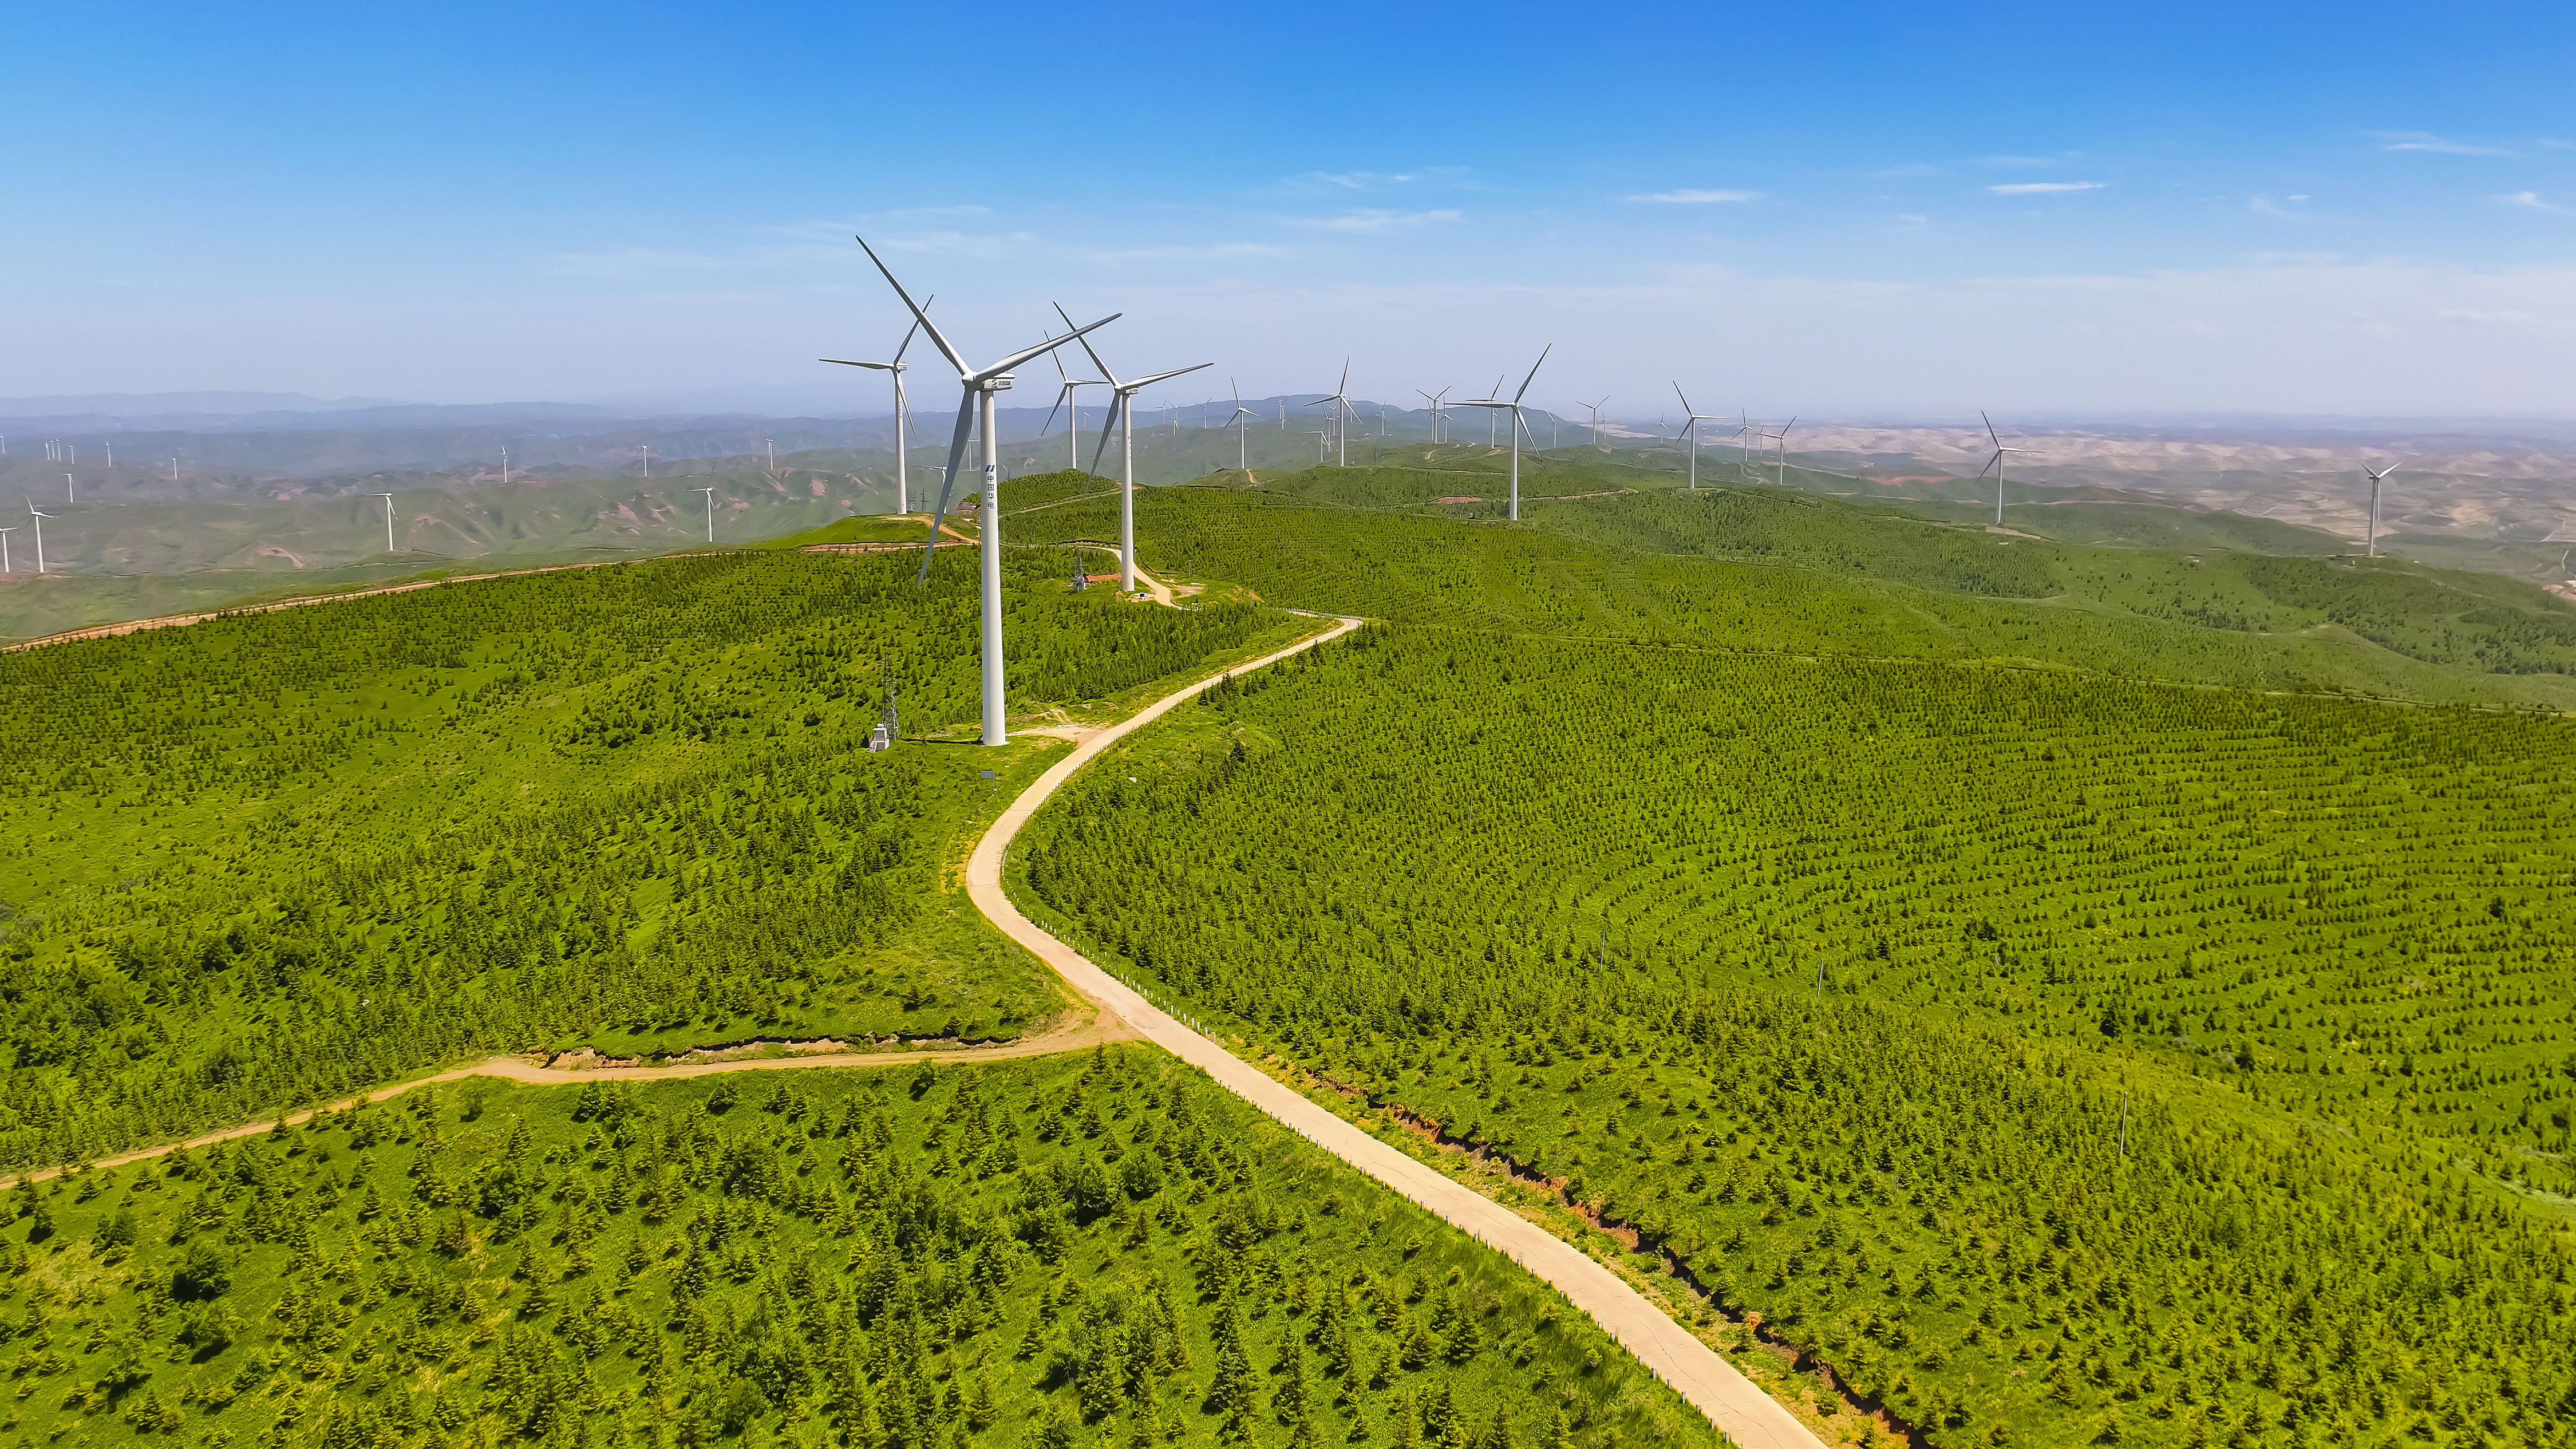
<point>2056,1055</point>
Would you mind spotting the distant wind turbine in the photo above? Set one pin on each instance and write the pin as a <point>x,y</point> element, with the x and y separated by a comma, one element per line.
<point>1491,405</point>
<point>1323,445</point>
<point>976,388</point>
<point>2376,478</point>
<point>1782,438</point>
<point>1066,395</point>
<point>1341,402</point>
<point>389,523</point>
<point>711,511</point>
<point>1996,462</point>
<point>4,549</point>
<point>1595,409</point>
<point>1122,410</point>
<point>41,516</point>
<point>1241,422</point>
<point>648,460</point>
<point>1434,400</point>
<point>1690,420</point>
<point>505,474</point>
<point>71,490</point>
<point>902,492</point>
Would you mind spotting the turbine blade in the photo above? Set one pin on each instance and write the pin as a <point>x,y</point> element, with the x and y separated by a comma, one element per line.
<point>1016,358</point>
<point>1108,425</point>
<point>1533,372</point>
<point>845,362</point>
<point>956,460</point>
<point>919,316</point>
<point>915,327</point>
<point>1164,376</point>
<point>1061,394</point>
<point>1686,407</point>
<point>1990,428</point>
<point>1086,347</point>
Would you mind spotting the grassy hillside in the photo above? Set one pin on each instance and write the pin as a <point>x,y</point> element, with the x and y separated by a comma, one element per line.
<point>2078,1059</point>
<point>270,858</point>
<point>1075,1251</point>
<point>1533,579</point>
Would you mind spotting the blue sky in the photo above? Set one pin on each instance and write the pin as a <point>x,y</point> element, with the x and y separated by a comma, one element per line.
<point>1848,210</point>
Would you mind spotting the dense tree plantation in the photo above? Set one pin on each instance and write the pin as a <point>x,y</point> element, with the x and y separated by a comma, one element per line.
<point>1762,570</point>
<point>2061,1058</point>
<point>1096,1249</point>
<point>274,858</point>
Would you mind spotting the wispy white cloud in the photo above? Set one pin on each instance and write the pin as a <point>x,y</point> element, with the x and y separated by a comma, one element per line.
<point>1219,251</point>
<point>1352,180</point>
<point>935,213</point>
<point>2427,141</point>
<point>2473,317</point>
<point>1376,219</point>
<point>2529,200</point>
<point>2044,188</point>
<point>1689,197</point>
<point>960,243</point>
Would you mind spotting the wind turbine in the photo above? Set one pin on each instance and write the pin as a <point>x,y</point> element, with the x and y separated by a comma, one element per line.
<point>1323,445</point>
<point>1122,411</point>
<point>1996,462</point>
<point>1341,402</point>
<point>648,460</point>
<point>1241,422</point>
<point>2376,478</point>
<point>4,549</point>
<point>71,490</point>
<point>1073,424</point>
<point>977,386</point>
<point>1690,420</point>
<point>41,516</point>
<point>902,492</point>
<point>1434,400</point>
<point>711,511</point>
<point>389,523</point>
<point>505,473</point>
<point>1782,438</point>
<point>1490,404</point>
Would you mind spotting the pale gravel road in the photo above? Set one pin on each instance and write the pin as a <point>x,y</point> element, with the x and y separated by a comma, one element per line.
<point>1744,1412</point>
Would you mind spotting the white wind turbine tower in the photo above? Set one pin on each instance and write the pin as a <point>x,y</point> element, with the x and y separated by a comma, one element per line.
<point>389,523</point>
<point>1341,402</point>
<point>1323,445</point>
<point>4,549</point>
<point>976,387</point>
<point>1996,462</point>
<point>711,511</point>
<point>1781,480</point>
<point>1241,422</point>
<point>1122,411</point>
<point>2376,478</point>
<point>1434,400</point>
<point>41,516</point>
<point>1690,420</point>
<point>1594,408</point>
<point>1492,404</point>
<point>902,490</point>
<point>505,473</point>
<point>1073,422</point>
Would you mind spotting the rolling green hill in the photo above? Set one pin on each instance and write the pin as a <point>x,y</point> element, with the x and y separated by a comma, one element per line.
<point>274,857</point>
<point>2053,1056</point>
<point>1072,1251</point>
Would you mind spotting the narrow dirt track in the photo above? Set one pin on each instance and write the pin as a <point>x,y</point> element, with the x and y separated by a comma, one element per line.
<point>1085,1026</point>
<point>1732,1402</point>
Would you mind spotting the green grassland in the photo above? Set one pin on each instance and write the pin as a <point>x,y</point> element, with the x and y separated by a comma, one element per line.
<point>1802,575</point>
<point>1099,1249</point>
<point>276,857</point>
<point>2083,1058</point>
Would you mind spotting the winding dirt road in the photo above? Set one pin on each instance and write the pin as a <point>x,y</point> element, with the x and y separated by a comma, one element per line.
<point>1732,1402</point>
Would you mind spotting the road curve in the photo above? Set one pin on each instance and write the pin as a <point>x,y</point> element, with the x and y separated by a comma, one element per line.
<point>1731,1401</point>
